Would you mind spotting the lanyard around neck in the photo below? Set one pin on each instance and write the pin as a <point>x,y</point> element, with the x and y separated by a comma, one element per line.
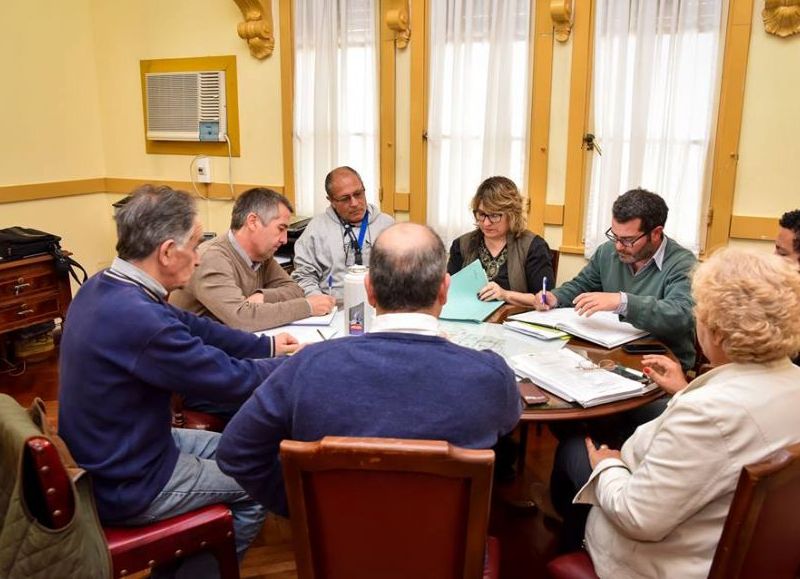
<point>348,227</point>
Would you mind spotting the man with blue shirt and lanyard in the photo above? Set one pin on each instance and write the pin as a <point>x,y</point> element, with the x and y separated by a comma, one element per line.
<point>125,350</point>
<point>342,236</point>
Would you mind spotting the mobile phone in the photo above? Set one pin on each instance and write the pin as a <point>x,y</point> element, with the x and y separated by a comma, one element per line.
<point>644,349</point>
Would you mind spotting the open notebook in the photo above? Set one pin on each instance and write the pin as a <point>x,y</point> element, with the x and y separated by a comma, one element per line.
<point>603,328</point>
<point>572,377</point>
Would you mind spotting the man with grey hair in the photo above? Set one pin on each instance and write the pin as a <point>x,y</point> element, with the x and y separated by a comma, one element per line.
<point>342,236</point>
<point>125,350</point>
<point>403,380</point>
<point>238,281</point>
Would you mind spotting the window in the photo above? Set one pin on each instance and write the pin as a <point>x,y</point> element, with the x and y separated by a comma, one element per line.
<point>335,96</point>
<point>654,89</point>
<point>478,107</point>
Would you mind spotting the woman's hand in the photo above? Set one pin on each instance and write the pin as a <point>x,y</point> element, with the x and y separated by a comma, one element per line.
<point>665,372</point>
<point>286,344</point>
<point>491,291</point>
<point>598,454</point>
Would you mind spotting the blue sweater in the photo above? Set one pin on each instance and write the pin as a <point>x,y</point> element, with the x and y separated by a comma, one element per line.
<point>123,353</point>
<point>382,385</point>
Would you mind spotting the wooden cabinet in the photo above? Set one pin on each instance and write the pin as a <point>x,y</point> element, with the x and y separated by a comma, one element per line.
<point>31,292</point>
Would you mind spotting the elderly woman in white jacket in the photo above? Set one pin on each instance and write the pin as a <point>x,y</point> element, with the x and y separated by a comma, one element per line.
<point>660,503</point>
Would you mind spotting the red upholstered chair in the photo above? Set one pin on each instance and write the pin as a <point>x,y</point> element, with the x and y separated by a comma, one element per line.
<point>761,536</point>
<point>194,419</point>
<point>377,507</point>
<point>135,548</point>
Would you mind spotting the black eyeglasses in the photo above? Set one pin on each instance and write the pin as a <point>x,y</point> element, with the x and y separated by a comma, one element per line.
<point>480,216</point>
<point>357,195</point>
<point>625,241</point>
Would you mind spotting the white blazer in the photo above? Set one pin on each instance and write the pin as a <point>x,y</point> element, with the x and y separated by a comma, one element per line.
<point>659,511</point>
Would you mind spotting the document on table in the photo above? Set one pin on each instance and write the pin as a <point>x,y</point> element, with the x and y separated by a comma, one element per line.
<point>572,377</point>
<point>603,328</point>
<point>493,337</point>
<point>316,320</point>
<point>307,334</point>
<point>462,298</point>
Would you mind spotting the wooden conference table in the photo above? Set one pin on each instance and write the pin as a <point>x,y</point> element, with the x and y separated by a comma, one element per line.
<point>557,409</point>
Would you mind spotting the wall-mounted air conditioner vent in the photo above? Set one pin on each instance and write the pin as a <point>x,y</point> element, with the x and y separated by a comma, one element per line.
<point>186,106</point>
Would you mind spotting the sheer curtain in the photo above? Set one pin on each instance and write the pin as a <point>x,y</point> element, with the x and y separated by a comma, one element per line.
<point>655,78</point>
<point>478,109</point>
<point>335,96</point>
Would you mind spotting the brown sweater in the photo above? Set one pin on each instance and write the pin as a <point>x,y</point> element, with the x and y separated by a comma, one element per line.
<point>223,281</point>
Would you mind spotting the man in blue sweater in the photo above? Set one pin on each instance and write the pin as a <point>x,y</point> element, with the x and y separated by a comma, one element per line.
<point>123,353</point>
<point>401,380</point>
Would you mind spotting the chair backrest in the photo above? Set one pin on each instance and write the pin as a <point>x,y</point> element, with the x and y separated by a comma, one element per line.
<point>761,537</point>
<point>47,487</point>
<point>554,257</point>
<point>389,508</point>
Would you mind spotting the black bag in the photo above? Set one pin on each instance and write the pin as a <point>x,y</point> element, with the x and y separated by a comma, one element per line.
<point>19,242</point>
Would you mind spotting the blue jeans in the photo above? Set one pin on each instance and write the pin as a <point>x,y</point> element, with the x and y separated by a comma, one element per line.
<point>197,481</point>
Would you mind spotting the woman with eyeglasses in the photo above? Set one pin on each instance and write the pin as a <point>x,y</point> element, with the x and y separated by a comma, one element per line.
<point>515,260</point>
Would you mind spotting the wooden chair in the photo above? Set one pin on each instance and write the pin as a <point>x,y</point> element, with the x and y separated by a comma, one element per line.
<point>761,536</point>
<point>390,508</point>
<point>554,257</point>
<point>194,419</point>
<point>132,548</point>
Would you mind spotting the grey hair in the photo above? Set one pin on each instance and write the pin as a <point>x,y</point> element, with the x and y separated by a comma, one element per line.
<point>154,215</point>
<point>407,279</point>
<point>261,201</point>
<point>332,175</point>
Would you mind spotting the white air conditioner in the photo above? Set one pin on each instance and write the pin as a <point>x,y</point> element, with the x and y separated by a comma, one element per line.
<point>186,106</point>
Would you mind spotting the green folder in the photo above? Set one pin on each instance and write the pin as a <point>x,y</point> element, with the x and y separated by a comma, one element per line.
<point>462,298</point>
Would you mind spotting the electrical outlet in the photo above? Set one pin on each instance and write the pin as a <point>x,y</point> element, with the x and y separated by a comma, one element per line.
<point>203,168</point>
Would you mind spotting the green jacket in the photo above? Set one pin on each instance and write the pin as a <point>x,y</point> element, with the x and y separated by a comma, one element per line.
<point>28,549</point>
<point>659,300</point>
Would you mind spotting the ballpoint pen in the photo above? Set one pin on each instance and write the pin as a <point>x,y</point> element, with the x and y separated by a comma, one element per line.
<point>324,339</point>
<point>544,290</point>
<point>330,284</point>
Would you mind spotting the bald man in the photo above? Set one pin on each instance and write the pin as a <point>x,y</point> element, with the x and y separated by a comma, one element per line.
<point>401,380</point>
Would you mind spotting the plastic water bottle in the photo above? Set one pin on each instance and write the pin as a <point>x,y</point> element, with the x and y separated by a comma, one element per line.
<point>358,313</point>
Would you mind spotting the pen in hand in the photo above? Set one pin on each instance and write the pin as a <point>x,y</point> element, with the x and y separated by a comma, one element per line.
<point>544,290</point>
<point>330,284</point>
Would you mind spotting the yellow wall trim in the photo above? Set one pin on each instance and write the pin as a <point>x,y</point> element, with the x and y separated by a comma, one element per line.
<point>744,227</point>
<point>553,214</point>
<point>541,72</point>
<point>210,190</point>
<point>729,122</point>
<point>223,63</point>
<point>402,201</point>
<point>32,191</point>
<point>286,49</point>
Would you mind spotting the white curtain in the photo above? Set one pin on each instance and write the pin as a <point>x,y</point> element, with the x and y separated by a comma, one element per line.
<point>478,108</point>
<point>655,78</point>
<point>335,96</point>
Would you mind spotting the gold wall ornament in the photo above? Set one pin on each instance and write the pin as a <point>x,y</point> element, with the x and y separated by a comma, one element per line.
<point>257,27</point>
<point>781,17</point>
<point>561,13</point>
<point>397,20</point>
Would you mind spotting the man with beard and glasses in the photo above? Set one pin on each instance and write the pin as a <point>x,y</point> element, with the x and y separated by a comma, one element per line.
<point>643,276</point>
<point>639,273</point>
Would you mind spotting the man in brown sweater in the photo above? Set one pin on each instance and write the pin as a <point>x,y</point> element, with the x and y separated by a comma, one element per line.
<point>238,282</point>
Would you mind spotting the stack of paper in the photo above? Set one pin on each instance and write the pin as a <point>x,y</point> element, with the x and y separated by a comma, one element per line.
<point>462,297</point>
<point>317,320</point>
<point>533,330</point>
<point>603,328</point>
<point>307,333</point>
<point>572,377</point>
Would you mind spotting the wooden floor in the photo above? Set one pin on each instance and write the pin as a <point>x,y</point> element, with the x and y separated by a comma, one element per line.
<point>526,534</point>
